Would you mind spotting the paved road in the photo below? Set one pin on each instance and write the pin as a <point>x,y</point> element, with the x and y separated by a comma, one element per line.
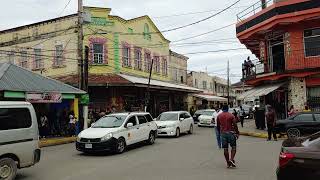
<point>191,157</point>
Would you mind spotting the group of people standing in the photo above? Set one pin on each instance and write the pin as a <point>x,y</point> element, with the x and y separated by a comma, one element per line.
<point>247,67</point>
<point>64,125</point>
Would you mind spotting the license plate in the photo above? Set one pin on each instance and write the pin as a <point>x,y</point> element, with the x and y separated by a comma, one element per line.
<point>88,146</point>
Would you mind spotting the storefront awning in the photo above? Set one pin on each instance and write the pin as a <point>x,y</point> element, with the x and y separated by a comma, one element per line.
<point>259,91</point>
<point>143,82</point>
<point>211,98</point>
<point>16,79</point>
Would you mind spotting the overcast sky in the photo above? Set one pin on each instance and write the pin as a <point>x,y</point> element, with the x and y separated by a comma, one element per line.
<point>19,12</point>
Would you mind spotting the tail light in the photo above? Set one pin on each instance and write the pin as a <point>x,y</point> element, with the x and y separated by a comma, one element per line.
<point>284,158</point>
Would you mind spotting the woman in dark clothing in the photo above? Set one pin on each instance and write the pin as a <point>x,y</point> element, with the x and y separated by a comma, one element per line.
<point>271,122</point>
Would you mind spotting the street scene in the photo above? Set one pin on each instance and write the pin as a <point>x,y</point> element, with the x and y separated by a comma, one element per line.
<point>167,89</point>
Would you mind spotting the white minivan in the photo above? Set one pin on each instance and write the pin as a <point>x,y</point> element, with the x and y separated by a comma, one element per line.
<point>19,138</point>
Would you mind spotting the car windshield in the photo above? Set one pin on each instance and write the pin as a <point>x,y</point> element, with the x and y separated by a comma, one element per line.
<point>208,113</point>
<point>168,117</point>
<point>113,121</point>
<point>198,112</point>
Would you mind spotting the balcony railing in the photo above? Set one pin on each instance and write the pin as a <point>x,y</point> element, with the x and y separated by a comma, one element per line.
<point>253,9</point>
<point>283,62</point>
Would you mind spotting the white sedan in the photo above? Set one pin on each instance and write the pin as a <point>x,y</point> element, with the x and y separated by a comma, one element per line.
<point>174,123</point>
<point>207,118</point>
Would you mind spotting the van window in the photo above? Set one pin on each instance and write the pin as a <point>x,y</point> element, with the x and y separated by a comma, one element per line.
<point>14,118</point>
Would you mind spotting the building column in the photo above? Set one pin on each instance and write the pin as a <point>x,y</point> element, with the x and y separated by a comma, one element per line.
<point>297,93</point>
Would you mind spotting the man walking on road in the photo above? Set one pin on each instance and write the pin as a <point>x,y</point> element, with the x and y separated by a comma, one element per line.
<point>271,122</point>
<point>227,124</point>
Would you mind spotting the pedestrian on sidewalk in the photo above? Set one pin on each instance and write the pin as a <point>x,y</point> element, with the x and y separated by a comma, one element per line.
<point>292,111</point>
<point>242,114</point>
<point>271,122</point>
<point>228,127</point>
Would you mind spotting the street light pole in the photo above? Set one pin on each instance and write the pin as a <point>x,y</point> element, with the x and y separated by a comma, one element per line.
<point>148,88</point>
<point>80,43</point>
<point>228,87</point>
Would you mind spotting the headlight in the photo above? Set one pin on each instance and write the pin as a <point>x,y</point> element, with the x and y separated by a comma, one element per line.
<point>78,138</point>
<point>107,137</point>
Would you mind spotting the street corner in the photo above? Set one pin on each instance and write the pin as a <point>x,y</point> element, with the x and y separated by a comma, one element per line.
<point>56,141</point>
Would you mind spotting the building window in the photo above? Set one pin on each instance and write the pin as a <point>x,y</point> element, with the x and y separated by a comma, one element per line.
<point>181,79</point>
<point>164,67</point>
<point>137,59</point>
<point>312,42</point>
<point>97,53</point>
<point>37,59</point>
<point>24,59</point>
<point>147,62</point>
<point>157,64</point>
<point>146,33</point>
<point>204,84</point>
<point>126,56</point>
<point>196,83</point>
<point>58,58</point>
<point>211,86</point>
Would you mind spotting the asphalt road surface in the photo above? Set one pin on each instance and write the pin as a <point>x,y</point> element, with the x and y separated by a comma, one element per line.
<point>190,157</point>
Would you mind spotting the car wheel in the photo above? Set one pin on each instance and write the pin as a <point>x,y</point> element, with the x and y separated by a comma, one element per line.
<point>8,169</point>
<point>190,129</point>
<point>293,133</point>
<point>120,146</point>
<point>177,132</point>
<point>152,138</point>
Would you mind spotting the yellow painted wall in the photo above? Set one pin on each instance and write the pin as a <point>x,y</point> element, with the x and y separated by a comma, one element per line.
<point>119,25</point>
<point>49,35</point>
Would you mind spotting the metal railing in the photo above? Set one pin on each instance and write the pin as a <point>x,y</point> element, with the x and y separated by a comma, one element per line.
<point>283,62</point>
<point>253,9</point>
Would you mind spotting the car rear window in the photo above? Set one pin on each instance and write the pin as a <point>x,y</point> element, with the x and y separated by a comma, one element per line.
<point>15,118</point>
<point>148,117</point>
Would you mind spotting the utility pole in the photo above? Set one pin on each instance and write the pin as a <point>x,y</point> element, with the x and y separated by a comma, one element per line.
<point>80,43</point>
<point>86,69</point>
<point>148,88</point>
<point>228,87</point>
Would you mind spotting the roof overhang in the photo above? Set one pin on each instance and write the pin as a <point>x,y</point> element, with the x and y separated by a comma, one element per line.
<point>211,97</point>
<point>260,91</point>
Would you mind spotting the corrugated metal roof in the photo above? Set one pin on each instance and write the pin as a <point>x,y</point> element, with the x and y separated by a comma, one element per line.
<point>156,83</point>
<point>15,78</point>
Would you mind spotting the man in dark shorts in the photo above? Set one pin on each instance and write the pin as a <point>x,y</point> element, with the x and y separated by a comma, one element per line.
<point>227,124</point>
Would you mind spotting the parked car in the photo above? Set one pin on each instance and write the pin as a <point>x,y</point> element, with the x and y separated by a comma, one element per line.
<point>196,115</point>
<point>19,138</point>
<point>300,159</point>
<point>173,123</point>
<point>299,125</point>
<point>207,118</point>
<point>116,131</point>
<point>248,110</point>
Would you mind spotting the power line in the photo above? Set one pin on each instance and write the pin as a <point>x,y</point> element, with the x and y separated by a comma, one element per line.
<point>65,7</point>
<point>202,20</point>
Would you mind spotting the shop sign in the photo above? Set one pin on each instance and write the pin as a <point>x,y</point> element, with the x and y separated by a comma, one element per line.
<point>44,97</point>
<point>85,99</point>
<point>100,21</point>
<point>259,68</point>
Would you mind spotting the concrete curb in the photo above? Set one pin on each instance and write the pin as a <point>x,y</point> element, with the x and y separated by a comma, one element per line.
<point>56,141</point>
<point>253,134</point>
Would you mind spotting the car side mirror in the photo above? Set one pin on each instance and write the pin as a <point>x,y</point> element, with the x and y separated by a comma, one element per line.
<point>181,119</point>
<point>129,125</point>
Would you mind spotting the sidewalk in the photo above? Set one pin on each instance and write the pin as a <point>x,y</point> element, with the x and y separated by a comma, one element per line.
<point>56,141</point>
<point>250,129</point>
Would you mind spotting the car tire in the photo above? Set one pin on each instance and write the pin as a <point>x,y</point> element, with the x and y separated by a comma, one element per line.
<point>152,138</point>
<point>293,133</point>
<point>120,146</point>
<point>190,129</point>
<point>177,132</point>
<point>8,169</point>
